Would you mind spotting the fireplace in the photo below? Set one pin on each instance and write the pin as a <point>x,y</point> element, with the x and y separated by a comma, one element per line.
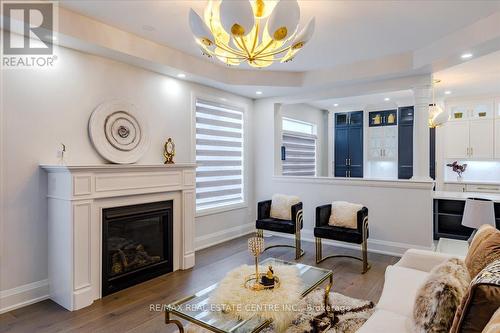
<point>137,244</point>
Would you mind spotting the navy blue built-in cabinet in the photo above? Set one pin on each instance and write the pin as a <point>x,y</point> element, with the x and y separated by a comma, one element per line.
<point>349,144</point>
<point>405,145</point>
<point>405,142</point>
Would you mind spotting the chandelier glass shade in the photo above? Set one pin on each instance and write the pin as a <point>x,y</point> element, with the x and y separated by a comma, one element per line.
<point>258,32</point>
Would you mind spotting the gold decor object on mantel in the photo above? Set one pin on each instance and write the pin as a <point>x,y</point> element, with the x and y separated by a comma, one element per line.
<point>257,32</point>
<point>169,151</point>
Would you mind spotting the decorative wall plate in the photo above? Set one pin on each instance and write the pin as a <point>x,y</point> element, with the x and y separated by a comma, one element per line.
<point>118,132</point>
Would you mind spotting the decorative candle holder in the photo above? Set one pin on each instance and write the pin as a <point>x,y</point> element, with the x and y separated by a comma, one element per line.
<point>256,247</point>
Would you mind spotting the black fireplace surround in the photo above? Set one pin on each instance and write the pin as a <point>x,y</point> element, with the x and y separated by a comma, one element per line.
<point>137,244</point>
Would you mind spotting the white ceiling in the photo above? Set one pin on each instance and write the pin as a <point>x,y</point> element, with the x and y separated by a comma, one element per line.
<point>374,101</point>
<point>480,76</point>
<point>346,31</point>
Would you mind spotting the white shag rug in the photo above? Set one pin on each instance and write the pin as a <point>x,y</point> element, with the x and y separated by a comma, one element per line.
<point>278,304</point>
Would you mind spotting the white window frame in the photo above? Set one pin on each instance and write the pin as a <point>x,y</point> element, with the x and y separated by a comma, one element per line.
<point>228,103</point>
<point>312,135</point>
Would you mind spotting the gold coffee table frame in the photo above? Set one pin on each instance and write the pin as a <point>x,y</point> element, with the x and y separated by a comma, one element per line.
<point>171,309</point>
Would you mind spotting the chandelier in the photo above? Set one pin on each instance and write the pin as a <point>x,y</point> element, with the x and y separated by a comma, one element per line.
<point>437,116</point>
<point>258,32</point>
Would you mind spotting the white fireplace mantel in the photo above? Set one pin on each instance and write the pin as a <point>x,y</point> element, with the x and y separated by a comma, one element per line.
<point>77,194</point>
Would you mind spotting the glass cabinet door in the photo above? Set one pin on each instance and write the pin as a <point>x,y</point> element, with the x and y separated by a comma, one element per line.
<point>459,112</point>
<point>341,119</point>
<point>481,110</point>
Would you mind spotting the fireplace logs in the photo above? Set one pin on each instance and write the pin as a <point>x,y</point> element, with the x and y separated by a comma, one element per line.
<point>126,255</point>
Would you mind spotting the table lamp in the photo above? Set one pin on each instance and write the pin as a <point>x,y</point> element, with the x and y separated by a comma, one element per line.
<point>477,212</point>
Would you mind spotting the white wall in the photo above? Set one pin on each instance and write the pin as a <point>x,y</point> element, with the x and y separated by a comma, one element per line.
<point>307,113</point>
<point>400,211</point>
<point>43,107</point>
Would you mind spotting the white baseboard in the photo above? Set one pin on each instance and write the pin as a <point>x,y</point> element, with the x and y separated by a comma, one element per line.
<point>27,294</point>
<point>374,245</point>
<point>223,236</point>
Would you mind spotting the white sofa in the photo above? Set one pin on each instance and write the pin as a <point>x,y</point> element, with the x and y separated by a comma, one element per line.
<point>394,310</point>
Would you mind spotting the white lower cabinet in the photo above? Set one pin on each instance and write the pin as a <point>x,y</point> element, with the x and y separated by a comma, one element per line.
<point>383,143</point>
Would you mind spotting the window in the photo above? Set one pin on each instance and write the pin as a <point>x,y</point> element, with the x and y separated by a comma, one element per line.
<point>299,148</point>
<point>219,155</point>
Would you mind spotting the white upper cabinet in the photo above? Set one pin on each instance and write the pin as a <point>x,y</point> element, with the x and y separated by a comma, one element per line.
<point>478,109</point>
<point>481,139</point>
<point>472,132</point>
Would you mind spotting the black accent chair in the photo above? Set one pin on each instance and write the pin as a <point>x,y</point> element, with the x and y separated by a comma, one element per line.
<point>293,226</point>
<point>357,236</point>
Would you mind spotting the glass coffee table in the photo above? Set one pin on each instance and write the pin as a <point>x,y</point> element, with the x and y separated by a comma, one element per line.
<point>193,310</point>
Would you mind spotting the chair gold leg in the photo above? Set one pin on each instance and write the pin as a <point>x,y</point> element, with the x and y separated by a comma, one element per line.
<point>298,249</point>
<point>364,249</point>
<point>366,266</point>
<point>319,250</point>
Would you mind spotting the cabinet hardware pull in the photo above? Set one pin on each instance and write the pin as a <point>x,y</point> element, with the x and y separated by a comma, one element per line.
<point>349,173</point>
<point>346,173</point>
<point>346,162</point>
<point>349,161</point>
<point>489,188</point>
<point>468,151</point>
<point>471,151</point>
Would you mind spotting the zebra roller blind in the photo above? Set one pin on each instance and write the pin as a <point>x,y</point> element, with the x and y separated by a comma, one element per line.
<point>299,155</point>
<point>219,155</point>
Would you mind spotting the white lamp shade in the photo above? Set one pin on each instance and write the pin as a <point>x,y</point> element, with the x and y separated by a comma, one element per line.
<point>305,34</point>
<point>478,212</point>
<point>236,12</point>
<point>198,27</point>
<point>286,14</point>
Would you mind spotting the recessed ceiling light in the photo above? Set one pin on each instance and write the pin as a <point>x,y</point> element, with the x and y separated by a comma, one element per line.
<point>466,55</point>
<point>181,75</point>
<point>387,99</point>
<point>336,104</point>
<point>447,92</point>
<point>146,27</point>
<point>258,92</point>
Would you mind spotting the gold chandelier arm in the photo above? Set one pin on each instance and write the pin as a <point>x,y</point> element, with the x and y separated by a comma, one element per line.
<point>273,53</point>
<point>256,36</point>
<point>234,57</point>
<point>242,46</point>
<point>229,49</point>
<point>264,48</point>
<point>226,57</point>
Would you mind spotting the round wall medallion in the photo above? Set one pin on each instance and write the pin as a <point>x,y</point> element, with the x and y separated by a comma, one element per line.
<point>118,133</point>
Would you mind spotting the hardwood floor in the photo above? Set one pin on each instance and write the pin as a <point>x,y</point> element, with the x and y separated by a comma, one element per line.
<point>129,310</point>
